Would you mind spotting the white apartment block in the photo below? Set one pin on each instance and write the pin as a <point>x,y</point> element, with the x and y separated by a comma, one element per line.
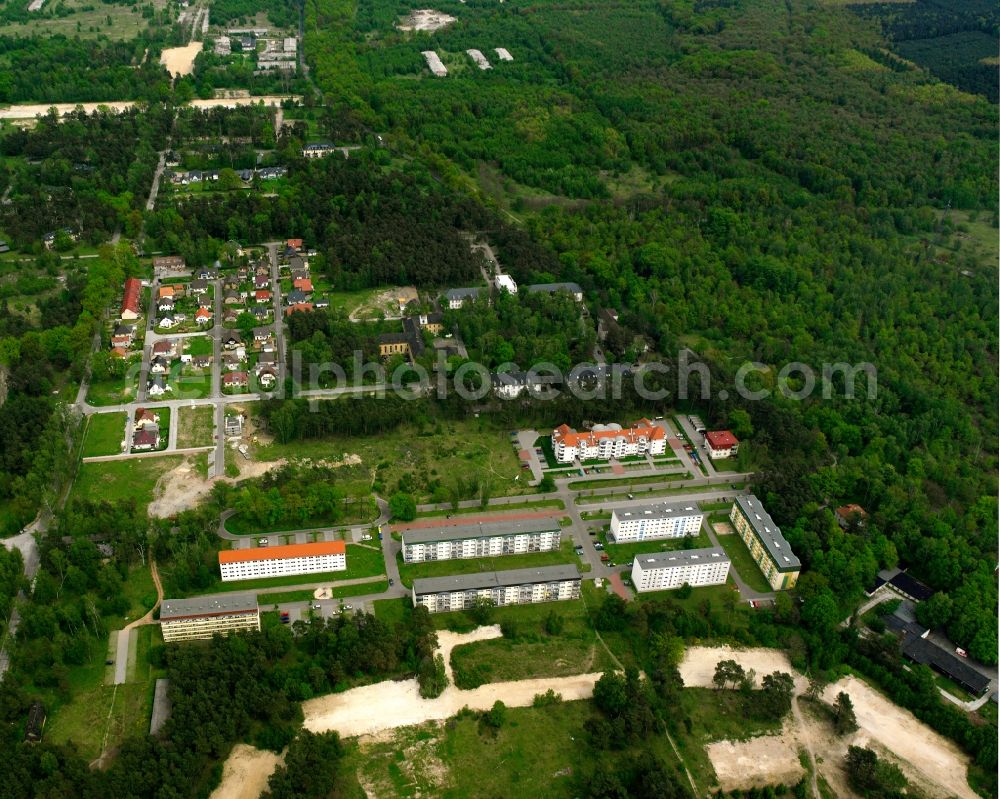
<point>481,540</point>
<point>606,441</point>
<point>280,561</point>
<point>514,587</point>
<point>662,571</point>
<point>200,618</point>
<point>659,520</point>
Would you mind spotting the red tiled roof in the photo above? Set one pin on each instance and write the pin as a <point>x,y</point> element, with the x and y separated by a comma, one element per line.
<point>296,243</point>
<point>302,306</point>
<point>130,302</point>
<point>283,552</point>
<point>234,377</point>
<point>642,428</point>
<point>721,439</point>
<point>303,283</point>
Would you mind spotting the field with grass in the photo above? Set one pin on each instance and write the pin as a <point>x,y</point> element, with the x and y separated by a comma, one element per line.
<point>112,392</point>
<point>641,494</point>
<point>360,510</point>
<point>584,485</point>
<point>338,592</point>
<point>87,21</point>
<point>105,433</point>
<point>424,461</point>
<point>624,553</point>
<point>408,572</point>
<point>195,426</point>
<point>193,385</point>
<point>528,505</point>
<point>742,562</point>
<point>130,479</point>
<point>199,345</point>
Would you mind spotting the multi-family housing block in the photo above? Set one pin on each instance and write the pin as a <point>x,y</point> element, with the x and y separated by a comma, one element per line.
<point>606,441</point>
<point>768,547</point>
<point>481,540</point>
<point>202,617</point>
<point>514,587</point>
<point>279,561</point>
<point>659,520</point>
<point>721,444</point>
<point>662,571</point>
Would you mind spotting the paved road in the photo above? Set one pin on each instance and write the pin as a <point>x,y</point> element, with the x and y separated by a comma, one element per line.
<point>125,456</point>
<point>155,188</point>
<point>698,442</point>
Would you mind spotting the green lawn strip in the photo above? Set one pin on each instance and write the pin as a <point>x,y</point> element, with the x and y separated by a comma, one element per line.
<point>195,426</point>
<point>111,392</point>
<point>408,572</point>
<point>548,453</point>
<point>192,385</point>
<point>710,506</point>
<point>531,505</point>
<point>640,494</point>
<point>584,485</point>
<point>337,592</point>
<point>105,433</point>
<point>129,479</point>
<point>356,513</point>
<point>164,414</point>
<point>595,515</point>
<point>742,562</point>
<point>200,345</point>
<point>392,611</point>
<point>624,553</point>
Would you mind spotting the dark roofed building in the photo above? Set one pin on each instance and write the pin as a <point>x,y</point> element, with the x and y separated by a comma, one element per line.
<point>910,587</point>
<point>921,650</point>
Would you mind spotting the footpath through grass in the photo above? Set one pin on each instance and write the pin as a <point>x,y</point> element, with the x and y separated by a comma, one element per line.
<point>105,433</point>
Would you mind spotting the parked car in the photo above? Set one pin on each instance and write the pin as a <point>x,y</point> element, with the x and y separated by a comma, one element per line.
<point>605,558</point>
<point>262,542</point>
<point>391,582</point>
<point>598,546</point>
<point>317,606</point>
<point>631,496</point>
<point>285,618</point>
<point>961,652</point>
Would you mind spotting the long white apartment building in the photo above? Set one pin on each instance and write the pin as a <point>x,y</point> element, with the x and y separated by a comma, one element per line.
<point>657,520</point>
<point>280,561</point>
<point>490,539</point>
<point>662,571</point>
<point>200,618</point>
<point>514,587</point>
<point>606,441</point>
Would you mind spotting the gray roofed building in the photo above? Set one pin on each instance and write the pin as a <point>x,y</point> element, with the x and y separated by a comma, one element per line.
<point>657,510</point>
<point>200,618</point>
<point>768,532</point>
<point>456,297</point>
<point>551,288</point>
<point>513,577</point>
<point>680,557</point>
<point>201,606</point>
<point>479,530</point>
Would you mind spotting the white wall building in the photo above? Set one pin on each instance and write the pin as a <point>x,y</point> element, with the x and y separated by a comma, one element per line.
<point>606,441</point>
<point>481,540</point>
<point>659,520</point>
<point>202,617</point>
<point>515,587</point>
<point>662,571</point>
<point>279,561</point>
<point>506,282</point>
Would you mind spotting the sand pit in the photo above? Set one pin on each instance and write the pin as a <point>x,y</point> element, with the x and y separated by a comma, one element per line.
<point>768,760</point>
<point>179,489</point>
<point>723,528</point>
<point>387,705</point>
<point>245,773</point>
<point>698,666</point>
<point>924,753</point>
<point>180,60</point>
<point>425,19</point>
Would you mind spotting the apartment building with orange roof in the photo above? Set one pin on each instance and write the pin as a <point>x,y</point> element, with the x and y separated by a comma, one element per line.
<point>281,561</point>
<point>606,441</point>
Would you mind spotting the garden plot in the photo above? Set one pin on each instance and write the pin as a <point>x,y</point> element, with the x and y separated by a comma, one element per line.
<point>425,19</point>
<point>479,58</point>
<point>434,63</point>
<point>504,54</point>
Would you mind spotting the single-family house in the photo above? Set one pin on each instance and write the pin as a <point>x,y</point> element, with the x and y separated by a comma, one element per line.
<point>322,303</point>
<point>266,377</point>
<point>203,316</point>
<point>266,360</point>
<point>235,380</point>
<point>304,285</point>
<point>261,313</point>
<point>199,286</point>
<point>232,298</point>
<point>145,440</point>
<point>145,417</point>
<point>201,361</point>
<point>230,316</point>
<point>295,244</point>
<point>166,291</point>
<point>261,281</point>
<point>158,386</point>
<point>165,304</point>
<point>299,306</point>
<point>159,365</point>
<point>261,334</point>
<point>262,295</point>
<point>130,299</point>
<point>119,352</point>
<point>296,296</point>
<point>231,340</point>
<point>165,347</point>
<point>167,322</point>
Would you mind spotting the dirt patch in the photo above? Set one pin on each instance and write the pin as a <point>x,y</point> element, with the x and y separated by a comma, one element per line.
<point>698,666</point>
<point>387,705</point>
<point>767,760</point>
<point>927,758</point>
<point>723,528</point>
<point>245,773</point>
<point>179,489</point>
<point>389,303</point>
<point>180,60</point>
<point>425,19</point>
<point>416,759</point>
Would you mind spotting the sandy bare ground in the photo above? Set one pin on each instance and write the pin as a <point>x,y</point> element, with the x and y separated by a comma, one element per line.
<point>32,110</point>
<point>927,756</point>
<point>425,19</point>
<point>245,773</point>
<point>387,705</point>
<point>180,60</point>
<point>698,666</point>
<point>722,528</point>
<point>179,489</point>
<point>767,760</point>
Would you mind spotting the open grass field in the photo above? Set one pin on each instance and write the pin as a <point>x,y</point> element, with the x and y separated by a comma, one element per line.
<point>195,426</point>
<point>624,553</point>
<point>338,592</point>
<point>193,385</point>
<point>743,562</point>
<point>424,459</point>
<point>538,752</point>
<point>87,21</point>
<point>131,479</point>
<point>112,392</point>
<point>440,568</point>
<point>359,511</point>
<point>105,433</point>
<point>200,345</point>
<point>528,505</point>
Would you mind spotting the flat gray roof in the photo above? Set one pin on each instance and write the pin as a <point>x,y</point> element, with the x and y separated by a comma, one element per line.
<point>657,510</point>
<point>480,530</point>
<point>208,606</point>
<point>471,582</point>
<point>681,557</point>
<point>473,291</point>
<point>768,532</point>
